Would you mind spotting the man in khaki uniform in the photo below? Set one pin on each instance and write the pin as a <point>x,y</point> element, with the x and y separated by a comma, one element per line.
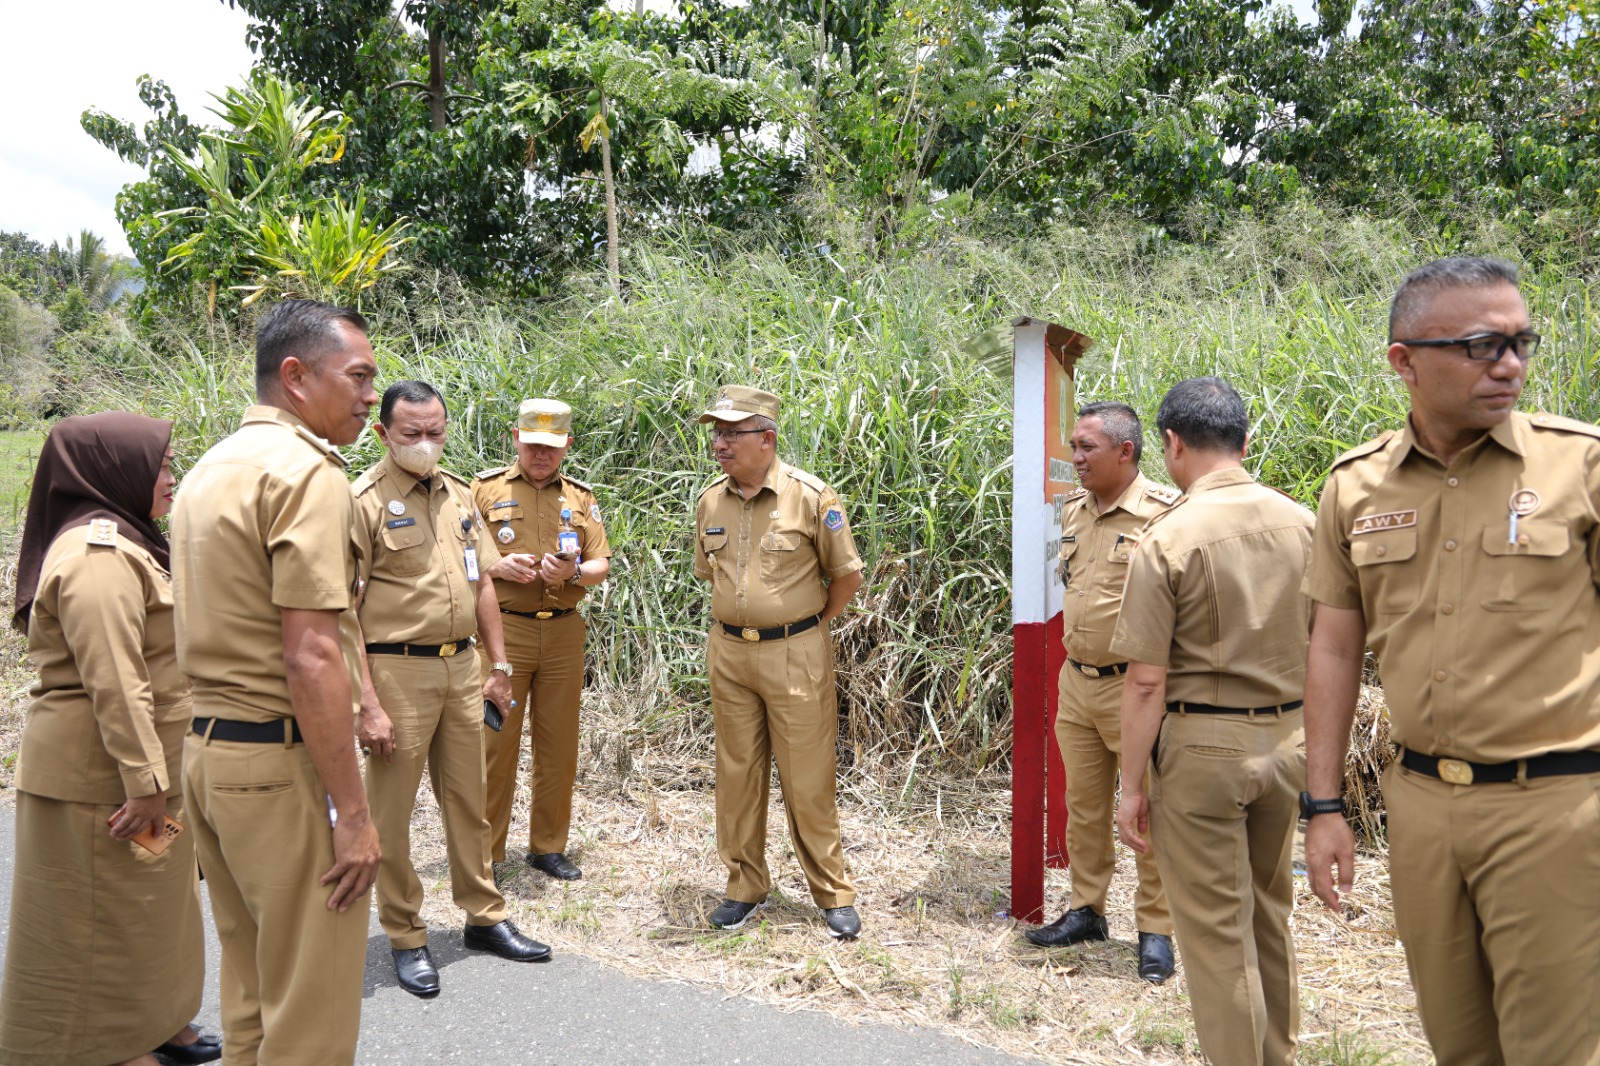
<point>424,550</point>
<point>774,543</point>
<point>264,583</point>
<point>1098,531</point>
<point>1464,549</point>
<point>553,548</point>
<point>1214,625</point>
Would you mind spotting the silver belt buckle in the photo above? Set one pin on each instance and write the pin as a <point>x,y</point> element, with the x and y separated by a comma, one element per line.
<point>751,634</point>
<point>1088,671</point>
<point>1455,772</point>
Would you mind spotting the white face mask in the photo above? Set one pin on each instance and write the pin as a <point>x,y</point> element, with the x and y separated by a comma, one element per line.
<point>419,459</point>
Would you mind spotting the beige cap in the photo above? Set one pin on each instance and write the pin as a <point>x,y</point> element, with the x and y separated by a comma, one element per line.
<point>544,422</point>
<point>735,403</point>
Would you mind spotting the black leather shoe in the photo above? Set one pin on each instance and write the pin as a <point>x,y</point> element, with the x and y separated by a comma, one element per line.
<point>556,865</point>
<point>506,941</point>
<point>204,1049</point>
<point>1155,957</point>
<point>414,969</point>
<point>1073,927</point>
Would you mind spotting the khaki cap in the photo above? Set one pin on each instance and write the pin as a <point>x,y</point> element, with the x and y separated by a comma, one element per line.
<point>544,422</point>
<point>735,403</point>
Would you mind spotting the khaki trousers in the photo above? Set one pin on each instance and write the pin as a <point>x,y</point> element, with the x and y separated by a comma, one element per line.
<point>1497,900</point>
<point>1224,805</point>
<point>776,698</point>
<point>547,657</point>
<point>1089,734</point>
<point>291,968</point>
<point>437,709</point>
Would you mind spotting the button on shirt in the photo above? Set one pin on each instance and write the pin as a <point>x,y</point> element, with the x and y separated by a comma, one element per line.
<point>1095,550</point>
<point>262,524</point>
<point>1214,594</point>
<point>767,556</point>
<point>414,563</point>
<point>1487,638</point>
<point>531,518</point>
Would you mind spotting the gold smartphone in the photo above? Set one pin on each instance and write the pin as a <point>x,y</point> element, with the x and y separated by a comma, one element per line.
<point>154,840</point>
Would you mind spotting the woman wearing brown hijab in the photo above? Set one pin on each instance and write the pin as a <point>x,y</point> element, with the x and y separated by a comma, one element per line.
<point>105,958</point>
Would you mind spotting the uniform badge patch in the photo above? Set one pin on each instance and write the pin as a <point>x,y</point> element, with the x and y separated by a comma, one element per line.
<point>594,511</point>
<point>834,519</point>
<point>1375,523</point>
<point>396,507</point>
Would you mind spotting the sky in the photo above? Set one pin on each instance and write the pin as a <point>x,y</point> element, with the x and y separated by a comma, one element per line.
<point>77,54</point>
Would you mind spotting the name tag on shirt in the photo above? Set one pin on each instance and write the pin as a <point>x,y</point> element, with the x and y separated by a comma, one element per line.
<point>400,523</point>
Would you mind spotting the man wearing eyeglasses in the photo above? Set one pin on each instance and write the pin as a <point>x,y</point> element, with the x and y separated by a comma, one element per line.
<point>775,545</point>
<point>1464,549</point>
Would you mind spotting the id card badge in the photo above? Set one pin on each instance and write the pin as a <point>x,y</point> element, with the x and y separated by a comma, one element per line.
<point>567,541</point>
<point>471,557</point>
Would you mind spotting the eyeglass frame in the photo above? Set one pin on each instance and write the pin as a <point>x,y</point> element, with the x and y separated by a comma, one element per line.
<point>1508,342</point>
<point>723,434</point>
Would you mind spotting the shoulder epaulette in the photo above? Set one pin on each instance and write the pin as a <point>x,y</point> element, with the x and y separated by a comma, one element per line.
<point>321,445</point>
<point>368,478</point>
<point>1162,493</point>
<point>713,485</point>
<point>1077,492</point>
<point>103,533</point>
<point>1375,444</point>
<point>451,475</point>
<point>1543,420</point>
<point>493,471</point>
<point>810,481</point>
<point>582,485</point>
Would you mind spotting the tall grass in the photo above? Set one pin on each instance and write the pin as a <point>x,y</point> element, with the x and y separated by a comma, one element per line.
<point>882,399</point>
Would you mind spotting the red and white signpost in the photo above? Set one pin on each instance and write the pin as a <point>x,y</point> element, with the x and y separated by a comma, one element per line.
<point>1043,409</point>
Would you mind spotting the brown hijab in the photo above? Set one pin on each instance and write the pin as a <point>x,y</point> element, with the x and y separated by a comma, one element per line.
<point>92,466</point>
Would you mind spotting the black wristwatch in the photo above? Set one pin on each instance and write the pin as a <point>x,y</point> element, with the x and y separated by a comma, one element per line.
<point>1310,808</point>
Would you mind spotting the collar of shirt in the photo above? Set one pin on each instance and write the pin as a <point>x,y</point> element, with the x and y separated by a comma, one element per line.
<point>1217,479</point>
<point>405,479</point>
<point>1129,497</point>
<point>260,412</point>
<point>770,481</point>
<point>1507,433</point>
<point>516,471</point>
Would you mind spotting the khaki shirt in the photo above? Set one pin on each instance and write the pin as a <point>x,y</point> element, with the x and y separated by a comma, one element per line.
<point>262,524</point>
<point>1095,550</point>
<point>527,520</point>
<point>414,562</point>
<point>1214,594</point>
<point>767,556</point>
<point>110,706</point>
<point>1488,649</point>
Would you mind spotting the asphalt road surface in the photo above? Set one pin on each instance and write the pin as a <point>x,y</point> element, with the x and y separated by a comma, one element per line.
<point>575,1011</point>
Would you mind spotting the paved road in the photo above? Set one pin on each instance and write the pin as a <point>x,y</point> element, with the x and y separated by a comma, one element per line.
<point>575,1011</point>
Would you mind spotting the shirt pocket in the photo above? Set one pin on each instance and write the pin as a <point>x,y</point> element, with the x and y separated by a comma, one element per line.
<point>1524,576</point>
<point>710,545</point>
<point>779,554</point>
<point>1069,549</point>
<point>505,523</point>
<point>407,549</point>
<point>1389,588</point>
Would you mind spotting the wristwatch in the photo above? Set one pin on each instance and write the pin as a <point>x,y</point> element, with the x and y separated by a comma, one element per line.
<point>504,668</point>
<point>576,578</point>
<point>1310,808</point>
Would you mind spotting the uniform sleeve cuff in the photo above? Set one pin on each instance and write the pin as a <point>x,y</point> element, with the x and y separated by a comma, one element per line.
<point>1132,651</point>
<point>849,568</point>
<point>144,780</point>
<point>1342,597</point>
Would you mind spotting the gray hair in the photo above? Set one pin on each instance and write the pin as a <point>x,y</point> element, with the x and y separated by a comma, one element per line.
<point>1119,422</point>
<point>1456,272</point>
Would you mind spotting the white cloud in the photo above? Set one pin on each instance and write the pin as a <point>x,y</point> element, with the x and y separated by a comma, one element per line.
<point>55,180</point>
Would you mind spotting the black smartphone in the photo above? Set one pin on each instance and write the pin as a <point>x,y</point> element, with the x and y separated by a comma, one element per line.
<point>492,716</point>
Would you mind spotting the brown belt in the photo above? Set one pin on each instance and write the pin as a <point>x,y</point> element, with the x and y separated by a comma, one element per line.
<point>753,634</point>
<point>1098,671</point>
<point>538,616</point>
<point>1205,708</point>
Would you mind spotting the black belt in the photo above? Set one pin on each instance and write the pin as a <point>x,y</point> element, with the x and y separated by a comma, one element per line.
<point>751,633</point>
<point>539,616</point>
<point>1184,707</point>
<point>246,732</point>
<point>427,651</point>
<point>1462,772</point>
<point>1098,671</point>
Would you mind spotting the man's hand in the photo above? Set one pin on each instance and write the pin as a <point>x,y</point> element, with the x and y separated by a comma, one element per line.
<point>497,690</point>
<point>555,570</point>
<point>519,567</point>
<point>1330,844</point>
<point>135,816</point>
<point>355,861</point>
<point>1133,820</point>
<point>375,730</point>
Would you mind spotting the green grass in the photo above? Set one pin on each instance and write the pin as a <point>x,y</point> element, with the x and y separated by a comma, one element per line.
<point>19,452</point>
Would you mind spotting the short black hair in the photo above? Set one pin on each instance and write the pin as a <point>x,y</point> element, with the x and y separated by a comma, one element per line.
<point>1206,414</point>
<point>1457,272</point>
<point>409,391</point>
<point>305,329</point>
<point>1120,422</point>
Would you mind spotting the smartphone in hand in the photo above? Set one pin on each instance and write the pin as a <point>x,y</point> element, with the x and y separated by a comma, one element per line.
<point>492,716</point>
<point>156,840</point>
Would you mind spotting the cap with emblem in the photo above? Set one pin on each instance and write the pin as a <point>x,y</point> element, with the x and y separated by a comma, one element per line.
<point>735,403</point>
<point>544,422</point>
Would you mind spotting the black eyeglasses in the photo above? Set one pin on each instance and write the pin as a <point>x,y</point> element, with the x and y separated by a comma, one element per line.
<point>1486,347</point>
<point>723,434</point>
